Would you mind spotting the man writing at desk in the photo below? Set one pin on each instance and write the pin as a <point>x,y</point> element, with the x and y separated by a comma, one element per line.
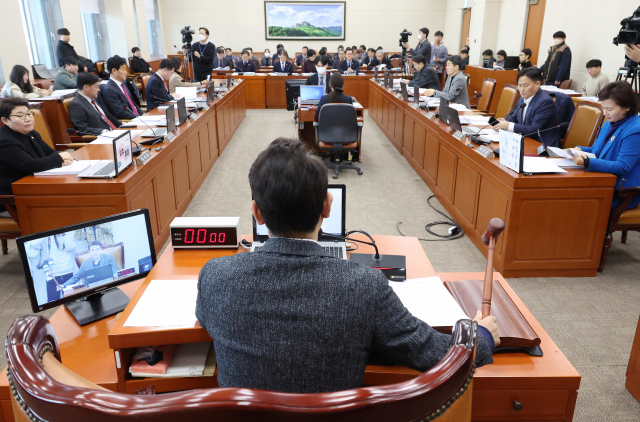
<point>292,318</point>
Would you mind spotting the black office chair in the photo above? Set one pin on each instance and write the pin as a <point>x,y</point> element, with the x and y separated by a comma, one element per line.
<point>338,131</point>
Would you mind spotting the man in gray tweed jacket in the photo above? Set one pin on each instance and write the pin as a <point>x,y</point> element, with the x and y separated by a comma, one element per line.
<point>292,318</point>
<point>455,88</point>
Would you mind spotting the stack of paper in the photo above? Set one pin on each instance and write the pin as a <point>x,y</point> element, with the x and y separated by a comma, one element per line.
<point>540,165</point>
<point>553,88</point>
<point>458,107</point>
<point>570,153</point>
<point>188,360</point>
<point>187,92</point>
<point>475,120</point>
<point>77,167</point>
<point>107,138</point>
<point>166,303</point>
<point>150,120</point>
<point>61,92</point>
<point>594,99</point>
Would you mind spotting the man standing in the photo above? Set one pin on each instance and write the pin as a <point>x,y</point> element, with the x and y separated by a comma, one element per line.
<point>596,80</point>
<point>203,54</point>
<point>320,77</point>
<point>349,66</point>
<point>439,54</point>
<point>424,46</point>
<point>67,77</point>
<point>557,68</point>
<point>64,49</point>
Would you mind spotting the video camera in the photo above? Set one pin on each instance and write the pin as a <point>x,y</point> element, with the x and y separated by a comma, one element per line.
<point>186,35</point>
<point>404,36</point>
<point>630,32</point>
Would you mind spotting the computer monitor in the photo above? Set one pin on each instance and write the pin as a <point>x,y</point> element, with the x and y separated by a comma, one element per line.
<point>81,265</point>
<point>170,114</point>
<point>182,111</point>
<point>487,63</point>
<point>292,91</point>
<point>311,92</point>
<point>511,62</point>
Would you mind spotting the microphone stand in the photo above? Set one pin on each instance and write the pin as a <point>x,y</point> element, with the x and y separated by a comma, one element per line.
<point>154,140</point>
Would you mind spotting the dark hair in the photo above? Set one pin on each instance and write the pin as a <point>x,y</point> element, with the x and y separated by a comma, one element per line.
<point>278,51</point>
<point>134,49</point>
<point>456,61</point>
<point>227,49</point>
<point>419,59</point>
<point>467,47</point>
<point>219,50</point>
<point>527,51</point>
<point>532,73</point>
<point>464,51</point>
<point>87,78</point>
<point>279,46</point>
<point>438,33</point>
<point>306,47</point>
<point>289,185</point>
<point>622,94</point>
<point>95,243</point>
<point>115,62</point>
<point>348,49</point>
<point>324,60</point>
<point>245,51</point>
<point>336,81</point>
<point>373,50</point>
<point>283,51</point>
<point>250,49</point>
<point>17,75</point>
<point>317,59</point>
<point>363,47</point>
<point>177,61</point>
<point>166,64</point>
<point>425,31</point>
<point>70,60</point>
<point>8,104</point>
<point>205,30</point>
<point>340,47</point>
<point>63,31</point>
<point>323,51</point>
<point>502,53</point>
<point>594,63</point>
<point>487,52</point>
<point>311,52</point>
<point>560,34</point>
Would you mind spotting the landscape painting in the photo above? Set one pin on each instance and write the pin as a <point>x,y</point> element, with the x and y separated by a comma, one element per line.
<point>305,20</point>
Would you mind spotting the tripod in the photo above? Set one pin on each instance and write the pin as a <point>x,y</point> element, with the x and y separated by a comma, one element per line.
<point>187,68</point>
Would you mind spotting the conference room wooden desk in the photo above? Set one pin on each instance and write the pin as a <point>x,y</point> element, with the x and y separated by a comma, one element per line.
<point>165,185</point>
<point>555,223</point>
<point>633,368</point>
<point>477,74</point>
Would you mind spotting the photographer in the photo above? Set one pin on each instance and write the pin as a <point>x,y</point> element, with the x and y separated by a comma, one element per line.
<point>203,54</point>
<point>424,46</point>
<point>633,52</point>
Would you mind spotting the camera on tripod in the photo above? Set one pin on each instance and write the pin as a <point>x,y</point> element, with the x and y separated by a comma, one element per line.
<point>187,35</point>
<point>630,35</point>
<point>404,36</point>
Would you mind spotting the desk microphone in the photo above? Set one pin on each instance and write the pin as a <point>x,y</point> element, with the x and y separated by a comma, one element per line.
<point>542,149</point>
<point>161,100</point>
<point>135,151</point>
<point>509,114</point>
<point>382,262</point>
<point>476,138</point>
<point>156,137</point>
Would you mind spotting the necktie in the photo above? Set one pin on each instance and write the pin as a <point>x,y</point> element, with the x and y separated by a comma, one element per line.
<point>126,94</point>
<point>322,80</point>
<point>282,65</point>
<point>103,116</point>
<point>348,65</point>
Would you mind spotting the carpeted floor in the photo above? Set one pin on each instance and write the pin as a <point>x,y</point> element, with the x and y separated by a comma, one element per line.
<point>592,320</point>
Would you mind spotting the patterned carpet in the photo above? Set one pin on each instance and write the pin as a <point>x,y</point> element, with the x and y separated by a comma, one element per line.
<point>592,320</point>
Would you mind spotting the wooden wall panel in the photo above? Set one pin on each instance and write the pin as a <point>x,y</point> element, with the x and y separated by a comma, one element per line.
<point>446,172</point>
<point>466,191</point>
<point>165,196</point>
<point>146,199</point>
<point>181,176</point>
<point>491,203</point>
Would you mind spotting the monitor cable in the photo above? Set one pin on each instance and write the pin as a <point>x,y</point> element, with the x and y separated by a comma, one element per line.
<point>455,230</point>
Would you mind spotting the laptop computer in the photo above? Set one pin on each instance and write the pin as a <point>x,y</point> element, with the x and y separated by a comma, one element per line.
<point>311,94</point>
<point>334,225</point>
<point>182,111</point>
<point>108,169</point>
<point>454,121</point>
<point>511,62</point>
<point>170,114</point>
<point>98,274</point>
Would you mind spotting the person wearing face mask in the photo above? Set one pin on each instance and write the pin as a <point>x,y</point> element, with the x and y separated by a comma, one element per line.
<point>424,76</point>
<point>321,77</point>
<point>424,46</point>
<point>266,58</point>
<point>138,64</point>
<point>64,49</point>
<point>557,67</point>
<point>617,148</point>
<point>203,54</point>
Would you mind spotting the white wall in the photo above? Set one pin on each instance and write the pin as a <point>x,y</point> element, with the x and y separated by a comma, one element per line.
<point>116,28</point>
<point>71,19</point>
<point>15,50</point>
<point>453,26</point>
<point>240,23</point>
<point>512,26</point>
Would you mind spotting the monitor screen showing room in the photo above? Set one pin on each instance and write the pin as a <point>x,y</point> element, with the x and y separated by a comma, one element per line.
<point>71,262</point>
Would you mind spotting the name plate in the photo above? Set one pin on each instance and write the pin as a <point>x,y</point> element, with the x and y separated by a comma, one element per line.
<point>399,96</point>
<point>415,106</point>
<point>206,107</point>
<point>430,115</point>
<point>485,152</point>
<point>193,117</point>
<point>170,137</point>
<point>143,158</point>
<point>459,135</point>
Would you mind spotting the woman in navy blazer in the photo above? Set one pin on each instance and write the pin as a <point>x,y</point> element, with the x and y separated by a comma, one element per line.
<point>617,148</point>
<point>336,81</point>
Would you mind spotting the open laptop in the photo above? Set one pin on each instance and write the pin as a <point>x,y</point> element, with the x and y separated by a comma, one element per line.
<point>170,114</point>
<point>453,120</point>
<point>98,274</point>
<point>108,169</point>
<point>311,94</point>
<point>334,225</point>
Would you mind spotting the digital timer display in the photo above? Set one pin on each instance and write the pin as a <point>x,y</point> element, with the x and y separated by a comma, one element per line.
<point>194,237</point>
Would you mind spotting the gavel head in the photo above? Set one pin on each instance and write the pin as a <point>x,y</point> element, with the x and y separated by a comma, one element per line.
<point>496,226</point>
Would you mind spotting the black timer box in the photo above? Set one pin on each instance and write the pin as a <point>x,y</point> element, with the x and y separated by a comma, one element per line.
<point>204,232</point>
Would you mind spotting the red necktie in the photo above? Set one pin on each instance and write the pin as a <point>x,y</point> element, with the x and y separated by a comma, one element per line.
<point>103,116</point>
<point>126,94</point>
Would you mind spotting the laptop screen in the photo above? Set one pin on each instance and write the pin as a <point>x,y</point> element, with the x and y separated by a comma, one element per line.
<point>335,224</point>
<point>453,118</point>
<point>182,111</point>
<point>311,92</point>
<point>122,151</point>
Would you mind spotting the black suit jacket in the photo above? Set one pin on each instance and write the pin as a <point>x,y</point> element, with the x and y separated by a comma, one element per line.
<point>288,67</point>
<point>139,65</point>
<point>86,118</point>
<point>313,80</point>
<point>354,65</point>
<point>156,92</point>
<point>250,67</point>
<point>375,62</point>
<point>22,155</point>
<point>63,50</point>
<point>207,53</point>
<point>226,61</point>
<point>117,103</point>
<point>366,60</point>
<point>292,318</point>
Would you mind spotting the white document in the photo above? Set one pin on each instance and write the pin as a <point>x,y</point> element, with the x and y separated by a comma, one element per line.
<point>61,92</point>
<point>570,153</point>
<point>489,135</point>
<point>189,360</point>
<point>566,163</point>
<point>128,124</point>
<point>540,165</point>
<point>474,120</point>
<point>594,99</point>
<point>511,149</point>
<point>166,303</point>
<point>187,92</point>
<point>458,107</point>
<point>107,138</point>
<point>77,167</point>
<point>428,300</point>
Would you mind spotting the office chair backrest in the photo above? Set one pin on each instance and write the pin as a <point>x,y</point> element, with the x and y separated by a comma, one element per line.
<point>585,125</point>
<point>488,88</point>
<point>42,386</point>
<point>40,126</point>
<point>338,124</point>
<point>508,99</point>
<point>566,84</point>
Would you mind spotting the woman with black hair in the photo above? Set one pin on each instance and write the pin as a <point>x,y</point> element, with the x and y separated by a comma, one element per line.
<point>336,96</point>
<point>20,86</point>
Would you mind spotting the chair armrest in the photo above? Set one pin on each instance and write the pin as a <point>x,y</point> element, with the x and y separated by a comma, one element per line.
<point>9,202</point>
<point>627,195</point>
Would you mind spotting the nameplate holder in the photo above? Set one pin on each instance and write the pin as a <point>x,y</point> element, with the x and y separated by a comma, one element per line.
<point>170,137</point>
<point>430,115</point>
<point>193,117</point>
<point>143,158</point>
<point>415,106</point>
<point>459,135</point>
<point>399,96</point>
<point>485,152</point>
<point>206,107</point>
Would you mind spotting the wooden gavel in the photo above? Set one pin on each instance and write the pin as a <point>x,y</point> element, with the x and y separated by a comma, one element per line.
<point>496,226</point>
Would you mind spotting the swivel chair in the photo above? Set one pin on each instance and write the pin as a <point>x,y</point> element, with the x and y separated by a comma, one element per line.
<point>337,132</point>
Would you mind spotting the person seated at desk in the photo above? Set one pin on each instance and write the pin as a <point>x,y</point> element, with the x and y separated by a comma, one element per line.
<point>85,113</point>
<point>20,86</point>
<point>138,64</point>
<point>349,66</point>
<point>22,150</point>
<point>96,259</point>
<point>371,54</point>
<point>176,77</point>
<point>245,65</point>
<point>156,90</point>
<point>292,318</point>
<point>424,76</point>
<point>488,55</point>
<point>221,61</point>
<point>284,65</point>
<point>341,56</point>
<point>230,55</point>
<point>323,52</point>
<point>596,80</point>
<point>336,56</point>
<point>67,77</point>
<point>253,58</point>
<point>302,57</point>
<point>524,56</point>
<point>617,148</point>
<point>464,55</point>
<point>266,58</point>
<point>455,88</point>
<point>320,77</point>
<point>336,96</point>
<point>309,65</point>
<point>564,110</point>
<point>535,111</point>
<point>380,62</point>
<point>502,55</point>
<point>119,95</point>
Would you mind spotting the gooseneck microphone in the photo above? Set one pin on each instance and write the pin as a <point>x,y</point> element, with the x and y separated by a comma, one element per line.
<point>516,108</point>
<point>542,149</point>
<point>134,150</point>
<point>476,138</point>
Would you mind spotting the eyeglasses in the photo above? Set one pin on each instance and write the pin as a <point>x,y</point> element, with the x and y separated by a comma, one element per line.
<point>23,116</point>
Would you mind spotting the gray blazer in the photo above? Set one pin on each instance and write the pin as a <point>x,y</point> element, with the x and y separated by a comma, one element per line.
<point>442,53</point>
<point>455,90</point>
<point>65,80</point>
<point>291,318</point>
<point>424,49</point>
<point>426,78</point>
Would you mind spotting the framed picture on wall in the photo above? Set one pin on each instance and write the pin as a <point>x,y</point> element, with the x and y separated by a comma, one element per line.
<point>305,20</point>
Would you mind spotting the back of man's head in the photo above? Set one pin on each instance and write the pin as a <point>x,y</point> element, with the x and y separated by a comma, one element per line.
<point>289,185</point>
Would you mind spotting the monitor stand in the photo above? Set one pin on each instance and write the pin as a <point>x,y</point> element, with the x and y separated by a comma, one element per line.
<point>98,305</point>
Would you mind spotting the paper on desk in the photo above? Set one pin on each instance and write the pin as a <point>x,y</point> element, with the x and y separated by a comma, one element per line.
<point>428,300</point>
<point>76,167</point>
<point>187,92</point>
<point>566,163</point>
<point>166,303</point>
<point>128,124</point>
<point>570,153</point>
<point>61,92</point>
<point>490,135</point>
<point>149,119</point>
<point>108,137</point>
<point>458,107</point>
<point>540,165</point>
<point>474,120</point>
<point>594,99</point>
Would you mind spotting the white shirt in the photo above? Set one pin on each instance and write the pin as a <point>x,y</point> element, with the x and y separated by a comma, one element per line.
<point>524,112</point>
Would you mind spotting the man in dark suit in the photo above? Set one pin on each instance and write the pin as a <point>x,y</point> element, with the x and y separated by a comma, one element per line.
<point>120,96</point>
<point>424,75</point>
<point>321,77</point>
<point>341,56</point>
<point>302,56</point>
<point>371,54</point>
<point>293,318</point>
<point>424,46</point>
<point>138,64</point>
<point>535,110</point>
<point>85,113</point>
<point>379,60</point>
<point>64,49</point>
<point>245,65</point>
<point>203,55</point>
<point>349,66</point>
<point>222,61</point>
<point>284,65</point>
<point>156,91</point>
